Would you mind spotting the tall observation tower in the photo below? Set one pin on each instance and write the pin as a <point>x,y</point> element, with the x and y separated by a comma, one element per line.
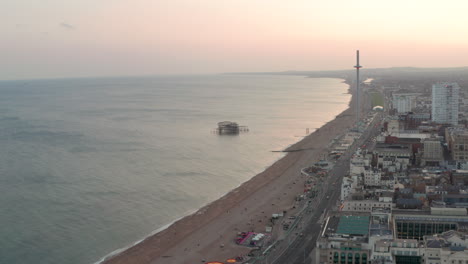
<point>358,106</point>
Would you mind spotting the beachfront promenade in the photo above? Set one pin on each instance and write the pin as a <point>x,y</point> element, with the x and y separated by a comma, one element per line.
<point>297,249</point>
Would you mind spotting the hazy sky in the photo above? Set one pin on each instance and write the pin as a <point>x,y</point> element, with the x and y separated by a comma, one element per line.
<point>66,38</point>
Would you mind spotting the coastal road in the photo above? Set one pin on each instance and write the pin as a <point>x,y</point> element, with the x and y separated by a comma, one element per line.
<point>299,250</point>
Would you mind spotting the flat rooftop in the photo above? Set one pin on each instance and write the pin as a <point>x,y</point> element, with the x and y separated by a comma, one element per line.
<point>380,230</point>
<point>426,217</point>
<point>353,225</point>
<point>332,225</point>
<point>413,135</point>
<point>395,148</point>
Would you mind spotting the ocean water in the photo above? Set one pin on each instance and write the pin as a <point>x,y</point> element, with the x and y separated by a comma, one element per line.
<point>88,166</point>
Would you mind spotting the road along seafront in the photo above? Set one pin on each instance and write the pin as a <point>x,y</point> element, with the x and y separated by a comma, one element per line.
<point>298,249</point>
<point>210,233</point>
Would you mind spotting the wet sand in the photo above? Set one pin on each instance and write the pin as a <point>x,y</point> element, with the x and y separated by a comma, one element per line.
<point>209,233</point>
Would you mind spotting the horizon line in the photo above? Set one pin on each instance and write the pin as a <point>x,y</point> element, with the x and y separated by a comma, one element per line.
<point>298,72</point>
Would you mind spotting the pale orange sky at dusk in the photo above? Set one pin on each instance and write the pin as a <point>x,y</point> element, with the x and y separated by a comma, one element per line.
<point>65,38</point>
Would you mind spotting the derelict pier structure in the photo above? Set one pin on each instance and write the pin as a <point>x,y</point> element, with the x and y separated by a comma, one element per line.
<point>230,128</point>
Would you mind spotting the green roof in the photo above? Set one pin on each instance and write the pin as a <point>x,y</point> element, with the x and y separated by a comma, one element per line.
<point>353,225</point>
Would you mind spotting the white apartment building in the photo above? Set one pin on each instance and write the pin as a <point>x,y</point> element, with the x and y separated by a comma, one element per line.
<point>404,102</point>
<point>445,104</point>
<point>347,187</point>
<point>447,248</point>
<point>372,177</point>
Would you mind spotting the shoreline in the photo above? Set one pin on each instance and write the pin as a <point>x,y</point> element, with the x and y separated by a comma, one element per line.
<point>165,244</point>
<point>153,233</point>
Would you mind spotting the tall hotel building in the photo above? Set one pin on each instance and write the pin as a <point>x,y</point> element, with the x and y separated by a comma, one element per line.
<point>445,103</point>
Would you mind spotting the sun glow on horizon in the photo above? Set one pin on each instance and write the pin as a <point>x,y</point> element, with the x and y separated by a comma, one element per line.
<point>78,38</point>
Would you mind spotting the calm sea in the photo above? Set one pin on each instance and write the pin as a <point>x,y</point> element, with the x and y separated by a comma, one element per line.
<point>88,166</point>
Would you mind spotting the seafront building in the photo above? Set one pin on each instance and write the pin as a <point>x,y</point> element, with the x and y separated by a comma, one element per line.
<point>344,239</point>
<point>445,97</point>
<point>347,187</point>
<point>402,202</point>
<point>416,224</point>
<point>383,235</point>
<point>365,205</point>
